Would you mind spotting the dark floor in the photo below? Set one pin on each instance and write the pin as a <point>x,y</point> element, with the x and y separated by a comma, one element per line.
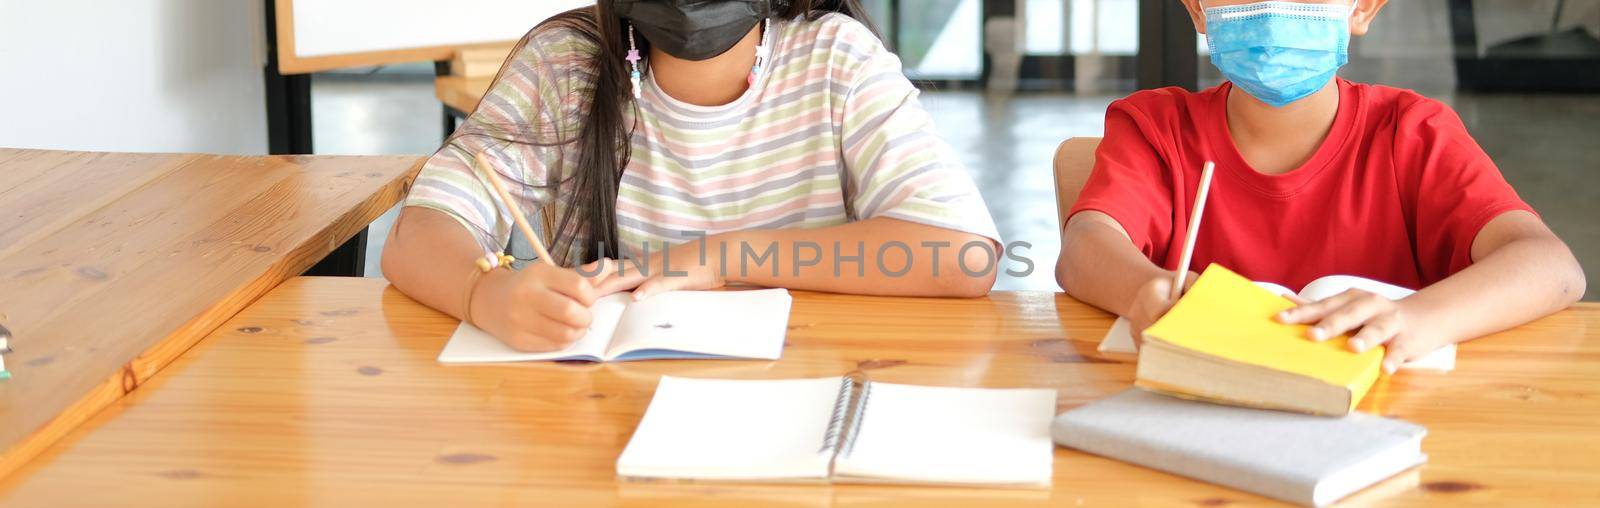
<point>1546,145</point>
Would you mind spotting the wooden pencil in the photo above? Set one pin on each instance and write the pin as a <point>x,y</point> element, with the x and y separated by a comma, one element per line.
<point>482,165</point>
<point>1179,278</point>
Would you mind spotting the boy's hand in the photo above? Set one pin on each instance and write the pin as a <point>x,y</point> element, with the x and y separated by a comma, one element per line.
<point>1152,301</point>
<point>1380,321</point>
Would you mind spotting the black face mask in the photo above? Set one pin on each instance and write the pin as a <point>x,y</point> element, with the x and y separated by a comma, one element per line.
<point>696,29</point>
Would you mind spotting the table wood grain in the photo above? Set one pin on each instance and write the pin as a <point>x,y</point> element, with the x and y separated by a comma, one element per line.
<point>113,264</point>
<point>326,392</point>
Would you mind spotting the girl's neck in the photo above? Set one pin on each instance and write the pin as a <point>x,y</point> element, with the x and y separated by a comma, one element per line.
<point>1275,141</point>
<point>714,81</point>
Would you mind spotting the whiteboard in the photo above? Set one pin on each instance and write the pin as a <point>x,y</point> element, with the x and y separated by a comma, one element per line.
<point>329,33</point>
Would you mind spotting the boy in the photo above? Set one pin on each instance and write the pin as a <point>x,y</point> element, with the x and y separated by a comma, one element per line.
<point>1315,176</point>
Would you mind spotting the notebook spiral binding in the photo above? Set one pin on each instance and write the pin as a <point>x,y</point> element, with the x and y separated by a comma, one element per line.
<point>841,410</point>
<point>855,419</point>
<point>848,409</point>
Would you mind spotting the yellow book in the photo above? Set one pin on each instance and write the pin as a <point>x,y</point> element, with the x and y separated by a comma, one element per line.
<point>1222,342</point>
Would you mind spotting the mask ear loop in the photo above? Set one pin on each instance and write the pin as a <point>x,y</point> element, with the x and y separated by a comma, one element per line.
<point>633,60</point>
<point>762,51</point>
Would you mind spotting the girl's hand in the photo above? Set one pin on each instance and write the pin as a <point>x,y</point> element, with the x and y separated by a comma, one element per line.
<point>539,308</point>
<point>1380,321</point>
<point>1152,301</point>
<point>680,268</point>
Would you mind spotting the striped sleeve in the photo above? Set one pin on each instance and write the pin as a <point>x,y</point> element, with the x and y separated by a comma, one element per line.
<point>898,165</point>
<point>523,126</point>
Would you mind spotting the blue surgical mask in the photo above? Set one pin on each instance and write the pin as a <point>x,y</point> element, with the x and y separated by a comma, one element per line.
<point>1279,52</point>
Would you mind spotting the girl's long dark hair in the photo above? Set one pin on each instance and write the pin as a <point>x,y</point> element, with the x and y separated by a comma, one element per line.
<point>588,194</point>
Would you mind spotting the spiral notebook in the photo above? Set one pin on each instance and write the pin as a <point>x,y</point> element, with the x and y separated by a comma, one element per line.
<point>844,430</point>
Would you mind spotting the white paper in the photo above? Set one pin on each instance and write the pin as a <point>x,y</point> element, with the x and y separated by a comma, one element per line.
<point>716,429</point>
<point>1332,285</point>
<point>741,324</point>
<point>927,434</point>
<point>340,27</point>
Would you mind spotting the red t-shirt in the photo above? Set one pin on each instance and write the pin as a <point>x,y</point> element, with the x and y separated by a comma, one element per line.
<point>1397,192</point>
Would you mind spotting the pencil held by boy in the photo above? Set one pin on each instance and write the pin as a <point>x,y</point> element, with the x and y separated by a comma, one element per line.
<point>1315,175</point>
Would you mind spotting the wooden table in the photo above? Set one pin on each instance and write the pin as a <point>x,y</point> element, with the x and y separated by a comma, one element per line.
<point>111,265</point>
<point>326,392</point>
<point>461,94</point>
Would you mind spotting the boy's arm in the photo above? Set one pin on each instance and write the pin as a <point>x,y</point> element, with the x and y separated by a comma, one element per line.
<point>1520,272</point>
<point>1100,266</point>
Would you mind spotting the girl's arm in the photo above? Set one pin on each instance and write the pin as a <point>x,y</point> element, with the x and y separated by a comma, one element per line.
<point>1520,272</point>
<point>878,256</point>
<point>430,257</point>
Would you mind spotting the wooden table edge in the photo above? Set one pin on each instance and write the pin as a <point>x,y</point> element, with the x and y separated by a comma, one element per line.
<point>146,364</point>
<point>460,93</point>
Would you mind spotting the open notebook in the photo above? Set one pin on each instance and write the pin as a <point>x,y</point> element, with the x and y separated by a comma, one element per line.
<point>1119,341</point>
<point>844,430</point>
<point>673,325</point>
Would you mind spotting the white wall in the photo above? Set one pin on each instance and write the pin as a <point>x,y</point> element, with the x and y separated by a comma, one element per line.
<point>132,75</point>
<point>331,27</point>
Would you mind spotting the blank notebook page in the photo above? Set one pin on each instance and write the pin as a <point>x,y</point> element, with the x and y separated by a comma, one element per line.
<point>926,434</point>
<point>743,324</point>
<point>708,429</point>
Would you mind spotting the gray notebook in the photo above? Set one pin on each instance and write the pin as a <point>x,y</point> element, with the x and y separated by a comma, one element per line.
<point>1305,459</point>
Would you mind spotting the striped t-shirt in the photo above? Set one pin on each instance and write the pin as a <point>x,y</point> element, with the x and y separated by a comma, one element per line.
<point>832,133</point>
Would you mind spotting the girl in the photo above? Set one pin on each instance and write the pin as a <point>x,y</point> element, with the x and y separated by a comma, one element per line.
<point>765,142</point>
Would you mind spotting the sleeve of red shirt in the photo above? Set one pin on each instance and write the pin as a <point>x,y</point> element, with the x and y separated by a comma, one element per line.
<point>1130,182</point>
<point>1453,187</point>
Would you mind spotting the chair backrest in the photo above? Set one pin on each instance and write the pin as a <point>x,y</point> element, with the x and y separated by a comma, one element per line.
<point>1074,160</point>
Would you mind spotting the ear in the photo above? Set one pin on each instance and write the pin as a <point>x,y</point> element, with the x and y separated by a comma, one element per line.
<point>1365,11</point>
<point>1196,14</point>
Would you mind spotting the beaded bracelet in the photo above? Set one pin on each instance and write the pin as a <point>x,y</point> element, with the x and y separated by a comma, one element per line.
<point>485,264</point>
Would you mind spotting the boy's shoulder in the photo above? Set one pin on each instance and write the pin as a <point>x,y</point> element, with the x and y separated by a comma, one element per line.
<point>1172,109</point>
<point>1156,101</point>
<point>1403,105</point>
